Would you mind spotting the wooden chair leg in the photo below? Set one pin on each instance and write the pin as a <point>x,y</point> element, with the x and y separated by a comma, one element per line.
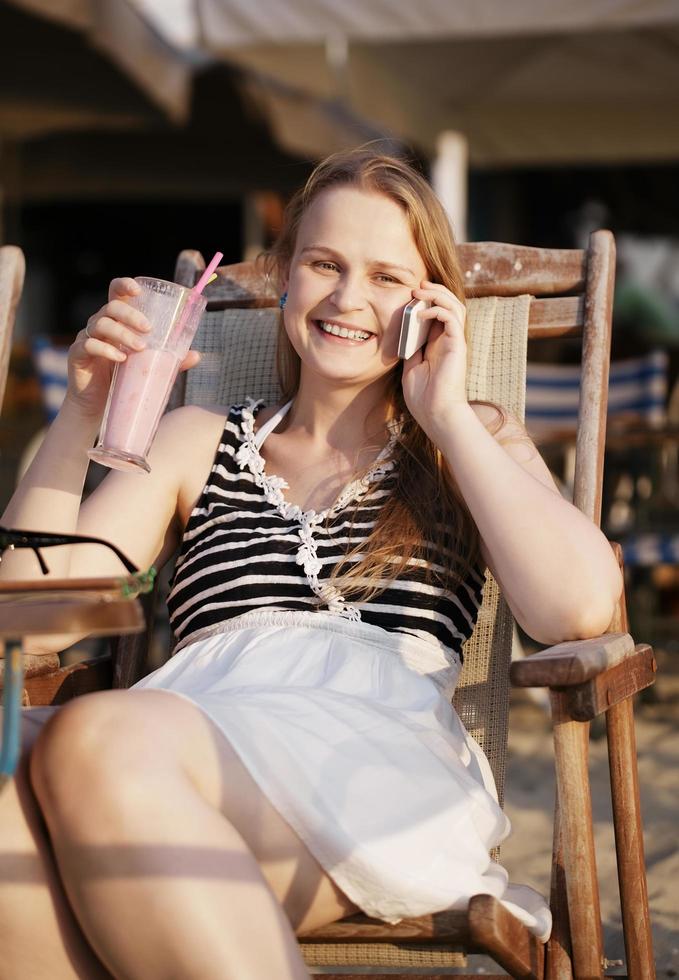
<point>571,747</point>
<point>558,965</point>
<point>629,841</point>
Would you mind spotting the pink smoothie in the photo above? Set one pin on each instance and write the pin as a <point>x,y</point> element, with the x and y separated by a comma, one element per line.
<point>142,387</point>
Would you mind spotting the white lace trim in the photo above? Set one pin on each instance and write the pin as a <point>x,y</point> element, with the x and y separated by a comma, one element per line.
<point>249,456</point>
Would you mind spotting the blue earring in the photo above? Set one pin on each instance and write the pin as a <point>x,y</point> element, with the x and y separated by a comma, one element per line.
<point>283,300</point>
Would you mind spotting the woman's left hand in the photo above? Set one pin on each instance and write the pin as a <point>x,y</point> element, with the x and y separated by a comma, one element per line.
<point>434,378</point>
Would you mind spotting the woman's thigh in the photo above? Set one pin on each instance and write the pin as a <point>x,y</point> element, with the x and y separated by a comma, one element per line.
<point>32,902</point>
<point>135,730</point>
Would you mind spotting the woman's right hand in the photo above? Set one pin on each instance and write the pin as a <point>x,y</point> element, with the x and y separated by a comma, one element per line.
<point>111,333</point>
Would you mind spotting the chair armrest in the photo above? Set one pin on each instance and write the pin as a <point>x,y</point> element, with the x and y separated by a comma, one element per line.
<point>571,663</point>
<point>587,677</point>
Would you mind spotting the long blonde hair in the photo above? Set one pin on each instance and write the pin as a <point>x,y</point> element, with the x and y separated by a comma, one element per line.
<point>425,513</point>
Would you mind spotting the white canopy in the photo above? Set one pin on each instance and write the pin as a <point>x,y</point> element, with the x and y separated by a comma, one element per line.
<point>233,23</point>
<point>528,82</point>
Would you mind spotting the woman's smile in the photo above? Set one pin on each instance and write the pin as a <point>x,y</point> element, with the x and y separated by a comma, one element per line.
<point>345,334</point>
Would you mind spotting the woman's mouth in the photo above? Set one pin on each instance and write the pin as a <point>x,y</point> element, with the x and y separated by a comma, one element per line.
<point>346,335</point>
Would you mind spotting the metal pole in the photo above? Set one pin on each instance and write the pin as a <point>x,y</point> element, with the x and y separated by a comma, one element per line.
<point>449,177</point>
<point>11,715</point>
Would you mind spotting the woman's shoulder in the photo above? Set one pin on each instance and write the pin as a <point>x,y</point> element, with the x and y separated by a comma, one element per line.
<point>196,430</point>
<point>191,435</point>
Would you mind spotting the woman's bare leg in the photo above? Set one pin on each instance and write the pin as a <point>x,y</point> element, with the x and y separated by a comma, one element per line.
<point>174,862</point>
<point>39,936</point>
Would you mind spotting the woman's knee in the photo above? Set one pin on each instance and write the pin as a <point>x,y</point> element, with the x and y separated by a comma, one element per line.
<point>102,742</point>
<point>84,744</point>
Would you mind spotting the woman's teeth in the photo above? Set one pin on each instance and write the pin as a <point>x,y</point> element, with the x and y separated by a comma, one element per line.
<point>342,331</point>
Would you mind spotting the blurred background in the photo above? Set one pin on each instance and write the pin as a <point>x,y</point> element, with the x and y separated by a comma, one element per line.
<point>130,129</point>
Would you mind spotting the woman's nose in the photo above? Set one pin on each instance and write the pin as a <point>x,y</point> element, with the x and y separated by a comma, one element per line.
<point>348,295</point>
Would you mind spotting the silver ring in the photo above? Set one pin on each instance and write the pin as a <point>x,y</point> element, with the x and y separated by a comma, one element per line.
<point>87,332</point>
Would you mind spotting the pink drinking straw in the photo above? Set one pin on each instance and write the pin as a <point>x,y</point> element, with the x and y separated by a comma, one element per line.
<point>205,278</point>
<point>196,291</point>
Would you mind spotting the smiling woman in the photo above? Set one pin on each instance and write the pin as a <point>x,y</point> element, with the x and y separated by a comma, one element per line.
<point>331,562</point>
<point>342,287</point>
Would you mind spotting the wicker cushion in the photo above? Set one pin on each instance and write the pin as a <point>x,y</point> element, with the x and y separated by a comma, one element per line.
<point>238,358</point>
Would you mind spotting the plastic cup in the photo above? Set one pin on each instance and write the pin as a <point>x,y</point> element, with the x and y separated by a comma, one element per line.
<point>141,385</point>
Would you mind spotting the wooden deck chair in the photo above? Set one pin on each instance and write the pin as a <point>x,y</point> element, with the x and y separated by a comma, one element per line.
<point>558,293</point>
<point>12,269</point>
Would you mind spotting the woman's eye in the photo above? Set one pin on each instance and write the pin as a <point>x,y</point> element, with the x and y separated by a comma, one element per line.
<point>325,264</point>
<point>386,278</point>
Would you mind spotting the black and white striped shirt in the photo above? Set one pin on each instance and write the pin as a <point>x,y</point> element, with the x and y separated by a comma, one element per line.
<point>245,548</point>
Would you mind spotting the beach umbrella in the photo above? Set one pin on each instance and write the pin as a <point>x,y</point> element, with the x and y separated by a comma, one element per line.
<point>74,124</point>
<point>527,82</point>
<point>75,75</point>
<point>127,41</point>
<point>486,83</point>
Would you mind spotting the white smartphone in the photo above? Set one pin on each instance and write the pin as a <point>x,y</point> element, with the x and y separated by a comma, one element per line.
<point>414,330</point>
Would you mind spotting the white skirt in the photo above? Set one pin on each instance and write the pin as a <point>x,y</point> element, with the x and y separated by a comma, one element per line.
<point>349,731</point>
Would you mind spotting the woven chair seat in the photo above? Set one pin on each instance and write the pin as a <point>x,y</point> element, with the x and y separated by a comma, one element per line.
<point>427,941</point>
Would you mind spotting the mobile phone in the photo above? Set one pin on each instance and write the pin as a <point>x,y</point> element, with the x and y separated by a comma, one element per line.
<point>414,330</point>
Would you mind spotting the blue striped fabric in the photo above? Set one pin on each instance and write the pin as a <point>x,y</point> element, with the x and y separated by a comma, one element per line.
<point>651,549</point>
<point>637,387</point>
<point>51,363</point>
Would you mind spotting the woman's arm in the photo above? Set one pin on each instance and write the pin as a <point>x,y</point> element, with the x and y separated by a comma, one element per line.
<point>555,567</point>
<point>136,512</point>
<point>140,513</point>
<point>48,497</point>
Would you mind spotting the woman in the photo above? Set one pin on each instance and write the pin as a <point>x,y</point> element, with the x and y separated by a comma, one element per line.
<point>309,763</point>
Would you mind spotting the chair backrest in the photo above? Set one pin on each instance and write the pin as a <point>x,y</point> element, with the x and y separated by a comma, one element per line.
<point>12,269</point>
<point>571,294</point>
<point>568,292</point>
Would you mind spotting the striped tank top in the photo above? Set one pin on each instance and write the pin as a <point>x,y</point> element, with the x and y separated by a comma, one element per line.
<point>245,547</point>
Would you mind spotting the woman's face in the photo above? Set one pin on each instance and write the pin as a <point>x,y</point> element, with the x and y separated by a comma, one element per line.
<point>353,270</point>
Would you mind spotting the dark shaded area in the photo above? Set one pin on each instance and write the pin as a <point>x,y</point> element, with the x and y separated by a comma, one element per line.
<point>225,150</point>
<point>85,244</point>
<point>44,64</point>
<point>548,208</point>
<point>540,206</point>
